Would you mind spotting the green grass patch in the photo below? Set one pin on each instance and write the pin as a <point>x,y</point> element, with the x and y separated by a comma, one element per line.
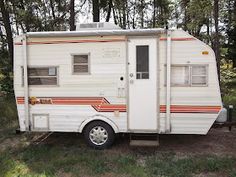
<point>8,112</point>
<point>45,160</point>
<point>173,166</point>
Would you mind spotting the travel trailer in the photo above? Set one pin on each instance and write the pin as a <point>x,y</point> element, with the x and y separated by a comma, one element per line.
<point>101,80</point>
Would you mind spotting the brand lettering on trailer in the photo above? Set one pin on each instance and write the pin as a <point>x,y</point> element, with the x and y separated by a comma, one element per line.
<point>34,100</point>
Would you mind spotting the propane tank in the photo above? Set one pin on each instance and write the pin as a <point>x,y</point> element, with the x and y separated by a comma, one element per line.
<point>222,117</point>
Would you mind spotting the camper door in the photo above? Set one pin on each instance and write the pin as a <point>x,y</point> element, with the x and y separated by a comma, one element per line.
<point>142,78</point>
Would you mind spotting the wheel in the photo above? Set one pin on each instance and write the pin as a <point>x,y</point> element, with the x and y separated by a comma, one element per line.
<point>99,135</point>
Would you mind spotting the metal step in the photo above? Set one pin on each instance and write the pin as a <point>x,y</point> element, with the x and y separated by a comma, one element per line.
<point>143,143</point>
<point>144,140</point>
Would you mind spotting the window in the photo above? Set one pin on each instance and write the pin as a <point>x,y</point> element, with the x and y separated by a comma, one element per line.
<point>42,76</point>
<point>189,75</point>
<point>81,64</point>
<point>180,75</point>
<point>142,62</point>
<point>199,75</point>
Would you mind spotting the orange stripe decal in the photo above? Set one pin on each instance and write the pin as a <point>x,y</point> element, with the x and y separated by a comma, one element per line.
<point>100,104</point>
<point>179,39</point>
<point>191,109</point>
<point>70,41</point>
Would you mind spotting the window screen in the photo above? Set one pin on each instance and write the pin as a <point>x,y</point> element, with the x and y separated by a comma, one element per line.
<point>199,75</point>
<point>189,75</point>
<point>142,62</point>
<point>80,64</point>
<point>42,76</point>
<point>179,75</point>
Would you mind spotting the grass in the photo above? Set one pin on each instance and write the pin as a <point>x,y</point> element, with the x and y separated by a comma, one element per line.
<point>174,167</point>
<point>8,113</point>
<point>50,161</point>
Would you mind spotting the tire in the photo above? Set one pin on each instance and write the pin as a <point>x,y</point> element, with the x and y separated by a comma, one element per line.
<point>99,135</point>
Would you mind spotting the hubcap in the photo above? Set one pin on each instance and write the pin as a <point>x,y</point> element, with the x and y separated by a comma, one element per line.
<point>98,135</point>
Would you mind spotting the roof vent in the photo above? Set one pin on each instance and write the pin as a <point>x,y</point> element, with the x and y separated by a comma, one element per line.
<point>96,26</point>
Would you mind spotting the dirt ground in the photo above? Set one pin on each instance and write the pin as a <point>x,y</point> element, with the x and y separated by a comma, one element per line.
<point>218,141</point>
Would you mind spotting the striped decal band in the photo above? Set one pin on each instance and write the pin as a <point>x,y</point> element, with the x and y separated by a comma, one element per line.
<point>191,109</point>
<point>179,39</point>
<point>70,41</point>
<point>101,104</point>
<point>91,41</point>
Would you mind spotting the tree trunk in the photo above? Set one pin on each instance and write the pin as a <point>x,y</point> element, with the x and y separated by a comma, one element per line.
<point>7,26</point>
<point>141,11</point>
<point>114,16</point>
<point>186,18</point>
<point>96,11</point>
<point>124,14</point>
<point>217,42</point>
<point>52,8</point>
<point>72,15</point>
<point>109,11</point>
<point>154,14</point>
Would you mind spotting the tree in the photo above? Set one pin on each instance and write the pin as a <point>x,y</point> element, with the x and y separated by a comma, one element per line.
<point>7,26</point>
<point>120,13</point>
<point>217,40</point>
<point>198,14</point>
<point>96,11</point>
<point>72,15</point>
<point>161,13</point>
<point>231,31</point>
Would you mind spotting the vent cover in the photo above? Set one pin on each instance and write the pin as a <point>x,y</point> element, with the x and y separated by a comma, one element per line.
<point>96,26</point>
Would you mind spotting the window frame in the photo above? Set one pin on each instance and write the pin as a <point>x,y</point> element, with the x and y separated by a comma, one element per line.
<point>139,72</point>
<point>190,75</point>
<point>45,66</point>
<point>73,64</point>
<point>207,75</point>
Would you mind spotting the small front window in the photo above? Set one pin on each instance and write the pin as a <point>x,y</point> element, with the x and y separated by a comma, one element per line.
<point>81,64</point>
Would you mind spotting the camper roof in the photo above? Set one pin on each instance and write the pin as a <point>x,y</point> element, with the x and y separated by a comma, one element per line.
<point>131,32</point>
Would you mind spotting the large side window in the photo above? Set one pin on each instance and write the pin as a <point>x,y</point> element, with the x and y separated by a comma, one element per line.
<point>189,75</point>
<point>142,62</point>
<point>80,64</point>
<point>42,75</point>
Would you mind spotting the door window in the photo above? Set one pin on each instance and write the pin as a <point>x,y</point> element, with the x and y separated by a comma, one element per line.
<point>142,62</point>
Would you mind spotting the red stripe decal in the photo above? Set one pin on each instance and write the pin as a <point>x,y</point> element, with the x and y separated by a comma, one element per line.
<point>100,104</point>
<point>191,109</point>
<point>71,41</point>
<point>179,39</point>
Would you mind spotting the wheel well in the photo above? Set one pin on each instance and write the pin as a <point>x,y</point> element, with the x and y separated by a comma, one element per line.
<point>97,121</point>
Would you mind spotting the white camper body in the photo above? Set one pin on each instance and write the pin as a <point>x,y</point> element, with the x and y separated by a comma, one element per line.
<point>136,81</point>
